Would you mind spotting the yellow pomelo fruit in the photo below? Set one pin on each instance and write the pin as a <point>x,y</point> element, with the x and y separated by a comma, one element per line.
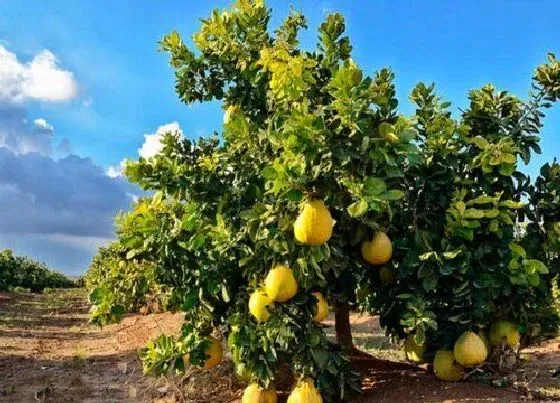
<point>445,367</point>
<point>305,392</point>
<point>470,350</point>
<point>387,276</point>
<point>213,354</point>
<point>280,284</point>
<point>314,224</point>
<point>506,332</point>
<point>379,250</point>
<point>322,308</point>
<point>414,352</point>
<point>484,338</point>
<point>255,394</point>
<point>392,137</point>
<point>258,305</point>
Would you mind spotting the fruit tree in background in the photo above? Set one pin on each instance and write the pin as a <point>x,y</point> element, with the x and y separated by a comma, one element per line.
<point>470,250</point>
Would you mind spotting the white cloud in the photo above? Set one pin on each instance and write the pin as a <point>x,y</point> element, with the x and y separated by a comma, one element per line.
<point>114,172</point>
<point>152,146</point>
<point>152,142</point>
<point>42,124</point>
<point>117,170</point>
<point>40,79</point>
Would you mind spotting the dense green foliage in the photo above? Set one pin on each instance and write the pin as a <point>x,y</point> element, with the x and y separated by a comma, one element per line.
<point>118,285</point>
<point>302,125</point>
<point>541,238</point>
<point>461,263</point>
<point>22,272</point>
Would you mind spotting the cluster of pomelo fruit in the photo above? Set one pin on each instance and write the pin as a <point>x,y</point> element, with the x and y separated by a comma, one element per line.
<point>304,392</point>
<point>470,350</point>
<point>313,226</point>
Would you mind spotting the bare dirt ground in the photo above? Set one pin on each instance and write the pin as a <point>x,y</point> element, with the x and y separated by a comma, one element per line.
<point>49,353</point>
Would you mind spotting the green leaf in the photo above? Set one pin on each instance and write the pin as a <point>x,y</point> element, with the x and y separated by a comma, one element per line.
<point>509,158</point>
<point>506,169</point>
<point>385,129</point>
<point>484,199</point>
<point>430,282</point>
<point>428,255</point>
<point>536,266</point>
<point>374,186</point>
<point>96,296</point>
<point>408,134</point>
<point>472,213</point>
<point>321,357</point>
<point>358,209</point>
<point>294,195</point>
<point>392,195</point>
<point>225,293</point>
<point>511,204</point>
<point>269,173</point>
<point>446,269</point>
<point>533,279</point>
<point>451,254</point>
<point>424,271</point>
<point>517,250</point>
<point>491,213</point>
<point>480,142</point>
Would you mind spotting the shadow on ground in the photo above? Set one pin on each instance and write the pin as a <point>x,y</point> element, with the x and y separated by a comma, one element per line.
<point>49,353</point>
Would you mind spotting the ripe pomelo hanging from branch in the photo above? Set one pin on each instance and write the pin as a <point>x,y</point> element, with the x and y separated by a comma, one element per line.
<point>280,284</point>
<point>445,367</point>
<point>414,352</point>
<point>379,250</point>
<point>314,225</point>
<point>213,352</point>
<point>305,392</point>
<point>470,350</point>
<point>258,305</point>
<point>504,331</point>
<point>256,394</point>
<point>322,308</point>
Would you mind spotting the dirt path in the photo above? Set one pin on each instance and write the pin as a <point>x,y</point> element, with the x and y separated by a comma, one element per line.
<point>49,353</point>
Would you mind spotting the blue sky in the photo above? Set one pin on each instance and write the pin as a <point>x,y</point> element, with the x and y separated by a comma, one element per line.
<point>124,90</point>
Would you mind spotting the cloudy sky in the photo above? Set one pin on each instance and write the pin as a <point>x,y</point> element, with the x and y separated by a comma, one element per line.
<point>82,87</point>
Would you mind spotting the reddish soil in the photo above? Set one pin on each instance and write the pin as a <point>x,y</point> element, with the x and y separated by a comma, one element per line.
<point>49,353</point>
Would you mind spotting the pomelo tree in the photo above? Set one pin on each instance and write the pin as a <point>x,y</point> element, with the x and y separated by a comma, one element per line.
<point>318,193</point>
<point>466,257</point>
<point>306,134</point>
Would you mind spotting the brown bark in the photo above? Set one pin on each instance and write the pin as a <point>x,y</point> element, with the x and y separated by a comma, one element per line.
<point>342,326</point>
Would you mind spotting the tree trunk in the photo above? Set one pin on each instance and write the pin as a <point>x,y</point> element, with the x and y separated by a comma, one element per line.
<point>342,326</point>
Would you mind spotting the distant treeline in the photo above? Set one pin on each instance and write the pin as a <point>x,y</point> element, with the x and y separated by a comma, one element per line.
<point>25,273</point>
